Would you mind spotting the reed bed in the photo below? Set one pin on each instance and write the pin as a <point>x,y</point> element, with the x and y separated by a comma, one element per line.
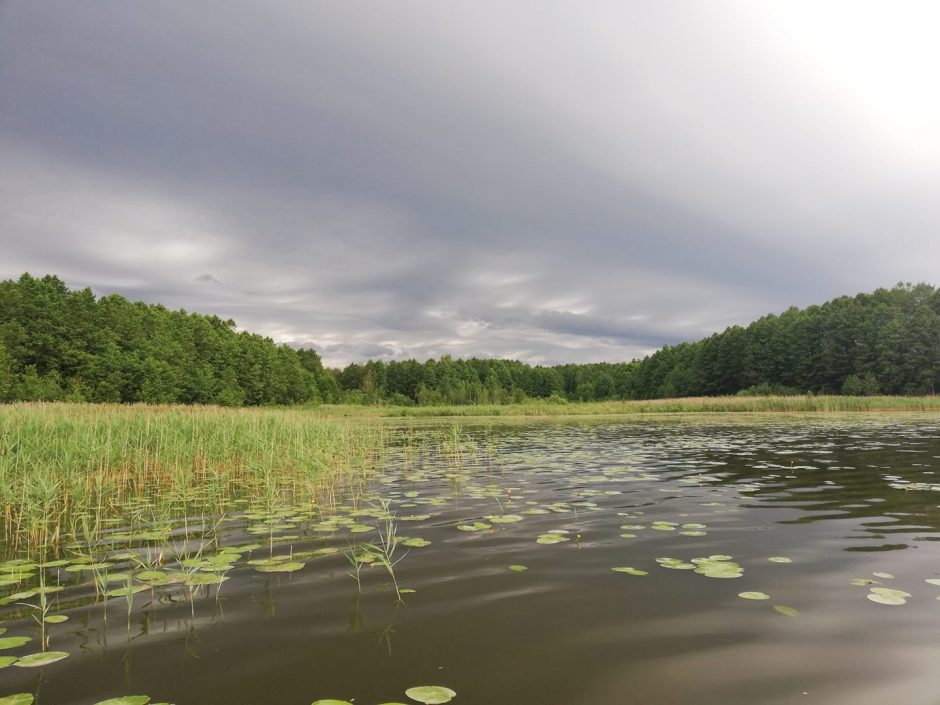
<point>735,404</point>
<point>65,466</point>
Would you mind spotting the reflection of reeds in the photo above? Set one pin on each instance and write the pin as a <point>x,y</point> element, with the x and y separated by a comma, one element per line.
<point>62,462</point>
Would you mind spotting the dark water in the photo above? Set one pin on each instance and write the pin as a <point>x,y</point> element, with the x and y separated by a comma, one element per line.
<point>843,498</point>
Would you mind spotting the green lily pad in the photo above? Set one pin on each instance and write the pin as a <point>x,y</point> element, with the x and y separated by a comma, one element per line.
<point>18,699</point>
<point>884,576</point>
<point>127,700</point>
<point>415,543</point>
<point>932,581</point>
<point>629,570</point>
<point>286,567</point>
<point>780,559</point>
<point>518,568</point>
<point>754,595</point>
<point>6,661</point>
<point>505,519</point>
<point>43,658</point>
<point>431,694</point>
<point>11,642</point>
<point>205,579</point>
<point>550,539</point>
<point>56,618</point>
<point>331,702</point>
<point>786,611</point>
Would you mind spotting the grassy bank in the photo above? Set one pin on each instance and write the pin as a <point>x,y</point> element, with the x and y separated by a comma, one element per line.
<point>655,406</point>
<point>63,466</point>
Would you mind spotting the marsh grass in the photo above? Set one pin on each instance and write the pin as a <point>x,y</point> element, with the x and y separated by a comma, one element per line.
<point>66,470</point>
<point>742,404</point>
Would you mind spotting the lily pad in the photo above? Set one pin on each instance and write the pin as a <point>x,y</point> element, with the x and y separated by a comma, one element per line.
<point>431,694</point>
<point>56,618</point>
<point>331,702</point>
<point>786,611</point>
<point>11,642</point>
<point>547,539</point>
<point>127,700</point>
<point>18,699</point>
<point>415,543</point>
<point>6,661</point>
<point>43,658</point>
<point>286,567</point>
<point>629,570</point>
<point>518,568</point>
<point>754,595</point>
<point>885,599</point>
<point>780,559</point>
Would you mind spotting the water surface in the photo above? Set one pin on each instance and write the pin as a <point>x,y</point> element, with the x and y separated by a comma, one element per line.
<point>840,498</point>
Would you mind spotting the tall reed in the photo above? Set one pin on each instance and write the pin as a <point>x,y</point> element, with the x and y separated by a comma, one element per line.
<point>60,463</point>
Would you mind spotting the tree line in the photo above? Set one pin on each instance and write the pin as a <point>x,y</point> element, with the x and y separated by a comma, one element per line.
<point>61,344</point>
<point>57,344</point>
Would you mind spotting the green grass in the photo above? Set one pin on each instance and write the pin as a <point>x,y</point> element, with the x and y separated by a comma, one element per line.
<point>734,404</point>
<point>63,466</point>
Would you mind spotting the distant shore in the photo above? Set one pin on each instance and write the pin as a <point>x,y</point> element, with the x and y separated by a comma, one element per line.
<point>735,404</point>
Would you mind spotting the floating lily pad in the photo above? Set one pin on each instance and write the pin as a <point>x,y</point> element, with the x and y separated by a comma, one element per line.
<point>518,568</point>
<point>331,702</point>
<point>629,570</point>
<point>286,567</point>
<point>431,694</point>
<point>884,576</point>
<point>127,700</point>
<point>754,595</point>
<point>6,661</point>
<point>43,658</point>
<point>550,539</point>
<point>505,519</point>
<point>18,699</point>
<point>476,526</point>
<point>11,642</point>
<point>890,593</point>
<point>932,581</point>
<point>885,599</point>
<point>205,579</point>
<point>786,611</point>
<point>780,559</point>
<point>55,618</point>
<point>415,542</point>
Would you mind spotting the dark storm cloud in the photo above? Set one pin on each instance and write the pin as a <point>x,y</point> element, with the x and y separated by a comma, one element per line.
<point>509,179</point>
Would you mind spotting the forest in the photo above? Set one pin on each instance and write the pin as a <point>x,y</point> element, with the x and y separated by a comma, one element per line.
<point>61,344</point>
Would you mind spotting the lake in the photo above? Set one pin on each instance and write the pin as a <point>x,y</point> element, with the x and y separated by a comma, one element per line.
<point>504,541</point>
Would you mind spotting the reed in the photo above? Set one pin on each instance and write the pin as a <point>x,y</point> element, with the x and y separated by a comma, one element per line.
<point>65,465</point>
<point>735,404</point>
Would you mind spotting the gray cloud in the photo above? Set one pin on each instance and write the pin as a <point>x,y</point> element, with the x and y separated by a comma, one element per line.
<point>519,179</point>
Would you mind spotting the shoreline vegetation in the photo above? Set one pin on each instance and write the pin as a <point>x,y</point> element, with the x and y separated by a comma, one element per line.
<point>72,469</point>
<point>58,344</point>
<point>68,470</point>
<point>689,405</point>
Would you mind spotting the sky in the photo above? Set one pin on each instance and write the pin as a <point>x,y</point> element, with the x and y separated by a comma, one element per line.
<point>546,181</point>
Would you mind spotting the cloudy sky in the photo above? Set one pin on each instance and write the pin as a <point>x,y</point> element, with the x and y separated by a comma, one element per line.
<point>549,181</point>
